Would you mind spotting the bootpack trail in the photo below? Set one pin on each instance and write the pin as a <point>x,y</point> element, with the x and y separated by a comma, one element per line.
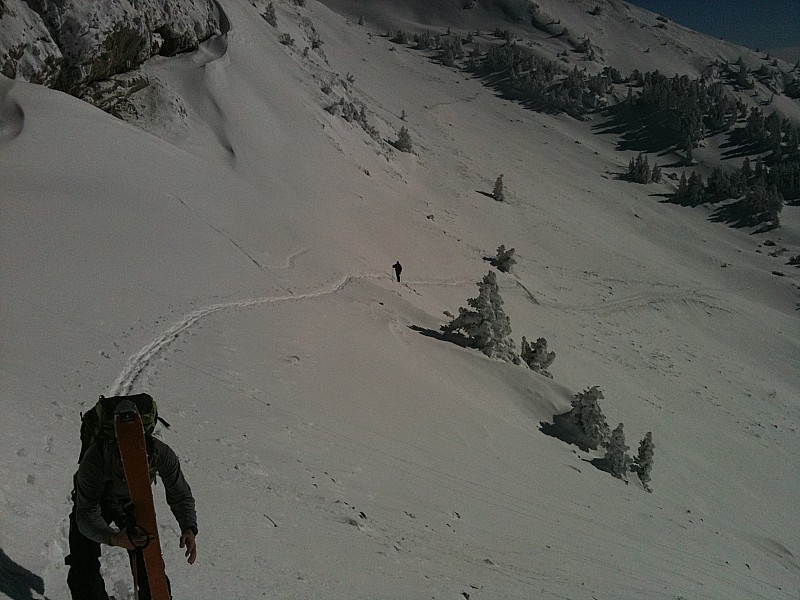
<point>139,362</point>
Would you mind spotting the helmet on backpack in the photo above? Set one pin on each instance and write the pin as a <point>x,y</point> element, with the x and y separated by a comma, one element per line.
<point>97,424</point>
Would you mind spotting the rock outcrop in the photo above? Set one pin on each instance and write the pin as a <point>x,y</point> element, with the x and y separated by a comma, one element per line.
<point>27,50</point>
<point>73,44</point>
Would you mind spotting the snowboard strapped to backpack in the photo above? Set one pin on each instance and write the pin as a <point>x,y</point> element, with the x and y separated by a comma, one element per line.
<point>97,424</point>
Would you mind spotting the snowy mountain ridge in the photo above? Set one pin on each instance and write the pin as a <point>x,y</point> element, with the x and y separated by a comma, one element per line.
<point>229,250</point>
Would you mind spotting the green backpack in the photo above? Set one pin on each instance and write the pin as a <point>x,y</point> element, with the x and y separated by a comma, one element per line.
<point>97,424</point>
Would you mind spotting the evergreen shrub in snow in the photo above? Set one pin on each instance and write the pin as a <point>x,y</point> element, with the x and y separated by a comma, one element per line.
<point>403,141</point>
<point>589,419</point>
<point>536,356</point>
<point>504,259</point>
<point>616,458</point>
<point>485,326</point>
<point>398,38</point>
<point>643,463</point>
<point>498,193</point>
<point>270,16</point>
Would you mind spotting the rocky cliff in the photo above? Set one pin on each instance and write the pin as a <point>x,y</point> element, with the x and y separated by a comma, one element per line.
<point>74,45</point>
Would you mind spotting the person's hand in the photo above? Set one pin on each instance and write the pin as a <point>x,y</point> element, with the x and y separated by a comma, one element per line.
<point>188,542</point>
<point>122,539</point>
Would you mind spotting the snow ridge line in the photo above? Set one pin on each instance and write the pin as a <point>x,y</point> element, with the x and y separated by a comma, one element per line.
<point>139,361</point>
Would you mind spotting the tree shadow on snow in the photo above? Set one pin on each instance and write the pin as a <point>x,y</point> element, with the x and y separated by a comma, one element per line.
<point>16,581</point>
<point>638,130</point>
<point>601,464</point>
<point>458,340</point>
<point>791,197</point>
<point>564,429</point>
<point>738,216</point>
<point>739,145</point>
<point>665,197</point>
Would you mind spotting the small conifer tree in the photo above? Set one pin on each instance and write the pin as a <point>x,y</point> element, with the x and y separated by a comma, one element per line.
<point>588,418</point>
<point>400,37</point>
<point>643,463</point>
<point>504,259</point>
<point>639,169</point>
<point>695,189</point>
<point>486,326</point>
<point>269,15</point>
<point>536,356</point>
<point>403,141</point>
<point>617,457</point>
<point>683,188</point>
<point>498,193</point>
<point>655,175</point>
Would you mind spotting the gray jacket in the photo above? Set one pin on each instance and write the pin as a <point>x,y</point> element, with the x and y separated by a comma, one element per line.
<point>101,489</point>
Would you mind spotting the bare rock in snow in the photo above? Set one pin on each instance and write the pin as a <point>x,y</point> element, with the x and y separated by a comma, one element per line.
<point>72,43</point>
<point>27,50</point>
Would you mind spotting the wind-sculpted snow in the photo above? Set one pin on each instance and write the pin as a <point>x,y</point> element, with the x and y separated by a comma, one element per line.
<point>12,117</point>
<point>216,47</point>
<point>644,301</point>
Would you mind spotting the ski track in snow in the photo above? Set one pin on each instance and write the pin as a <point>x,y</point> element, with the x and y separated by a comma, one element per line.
<point>141,360</point>
<point>291,260</point>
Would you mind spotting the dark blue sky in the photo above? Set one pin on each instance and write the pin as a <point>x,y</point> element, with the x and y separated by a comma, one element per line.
<point>753,23</point>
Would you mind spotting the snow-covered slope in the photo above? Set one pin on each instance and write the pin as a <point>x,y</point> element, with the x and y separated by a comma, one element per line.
<point>788,54</point>
<point>627,37</point>
<point>230,253</point>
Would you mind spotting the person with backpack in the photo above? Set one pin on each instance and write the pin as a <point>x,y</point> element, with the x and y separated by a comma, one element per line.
<point>398,268</point>
<point>100,498</point>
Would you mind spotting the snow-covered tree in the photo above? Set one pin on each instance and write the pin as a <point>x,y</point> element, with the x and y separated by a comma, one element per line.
<point>486,326</point>
<point>643,463</point>
<point>655,174</point>
<point>639,169</point>
<point>536,356</point>
<point>504,259</point>
<point>589,419</point>
<point>617,458</point>
<point>269,15</point>
<point>399,38</point>
<point>403,141</point>
<point>498,193</point>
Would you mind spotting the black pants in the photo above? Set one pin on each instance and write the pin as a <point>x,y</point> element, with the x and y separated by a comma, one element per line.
<point>84,579</point>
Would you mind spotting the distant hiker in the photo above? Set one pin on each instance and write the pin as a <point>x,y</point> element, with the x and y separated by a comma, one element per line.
<point>100,497</point>
<point>398,268</point>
